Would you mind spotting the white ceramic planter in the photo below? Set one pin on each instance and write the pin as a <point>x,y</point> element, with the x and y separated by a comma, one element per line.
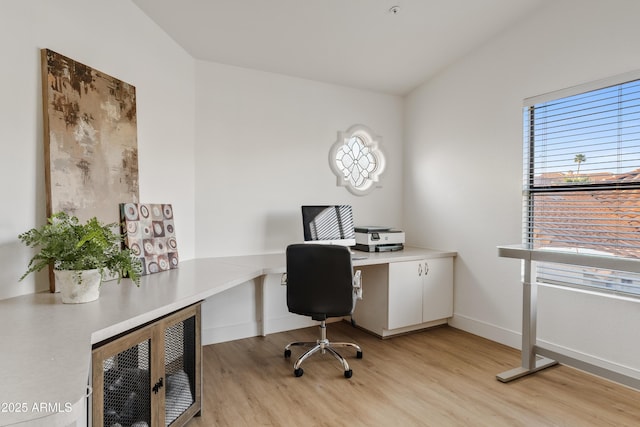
<point>78,286</point>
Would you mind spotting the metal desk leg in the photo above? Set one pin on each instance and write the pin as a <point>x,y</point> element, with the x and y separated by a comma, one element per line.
<point>530,362</point>
<point>260,284</point>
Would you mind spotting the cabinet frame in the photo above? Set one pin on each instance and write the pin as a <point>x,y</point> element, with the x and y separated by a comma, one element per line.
<point>154,332</point>
<point>383,310</point>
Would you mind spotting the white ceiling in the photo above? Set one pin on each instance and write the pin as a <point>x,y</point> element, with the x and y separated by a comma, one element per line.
<point>356,43</point>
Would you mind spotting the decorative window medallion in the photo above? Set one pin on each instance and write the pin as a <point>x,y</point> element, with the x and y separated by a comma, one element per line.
<point>356,160</point>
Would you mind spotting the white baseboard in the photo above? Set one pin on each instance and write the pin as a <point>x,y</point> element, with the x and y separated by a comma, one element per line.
<point>229,333</point>
<point>252,329</point>
<point>292,321</point>
<point>288,323</point>
<point>590,359</point>
<point>487,330</point>
<point>514,339</point>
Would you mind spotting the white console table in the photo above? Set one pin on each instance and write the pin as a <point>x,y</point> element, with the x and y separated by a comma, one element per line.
<point>46,345</point>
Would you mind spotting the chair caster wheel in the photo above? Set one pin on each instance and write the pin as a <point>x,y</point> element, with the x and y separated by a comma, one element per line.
<point>298,372</point>
<point>348,374</point>
<point>359,355</point>
<point>287,353</point>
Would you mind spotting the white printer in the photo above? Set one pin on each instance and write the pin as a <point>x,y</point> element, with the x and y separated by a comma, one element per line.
<point>378,239</point>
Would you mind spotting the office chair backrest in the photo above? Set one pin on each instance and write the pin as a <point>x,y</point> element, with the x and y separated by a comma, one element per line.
<point>319,280</point>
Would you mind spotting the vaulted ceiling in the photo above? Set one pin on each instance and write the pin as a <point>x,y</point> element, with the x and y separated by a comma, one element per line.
<point>389,46</point>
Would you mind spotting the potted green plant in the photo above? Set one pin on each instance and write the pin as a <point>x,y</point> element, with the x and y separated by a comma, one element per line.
<point>80,254</point>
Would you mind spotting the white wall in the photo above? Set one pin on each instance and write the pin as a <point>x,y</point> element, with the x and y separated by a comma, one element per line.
<point>259,149</point>
<point>463,173</point>
<point>118,39</point>
<point>262,151</point>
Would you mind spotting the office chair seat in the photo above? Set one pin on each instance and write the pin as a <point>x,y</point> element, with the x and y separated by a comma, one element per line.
<point>321,284</point>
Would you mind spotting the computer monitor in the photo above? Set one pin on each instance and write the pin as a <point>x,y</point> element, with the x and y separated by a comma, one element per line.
<point>331,224</point>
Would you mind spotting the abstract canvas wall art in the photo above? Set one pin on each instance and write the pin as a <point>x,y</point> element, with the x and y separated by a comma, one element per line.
<point>150,235</point>
<point>90,138</point>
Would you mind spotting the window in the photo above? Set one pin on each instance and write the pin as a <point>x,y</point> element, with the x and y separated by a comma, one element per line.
<point>356,160</point>
<point>582,179</point>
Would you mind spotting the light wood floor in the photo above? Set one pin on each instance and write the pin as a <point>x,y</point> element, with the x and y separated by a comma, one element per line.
<point>438,377</point>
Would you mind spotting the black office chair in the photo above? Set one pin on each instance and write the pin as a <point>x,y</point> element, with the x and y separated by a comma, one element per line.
<point>321,284</point>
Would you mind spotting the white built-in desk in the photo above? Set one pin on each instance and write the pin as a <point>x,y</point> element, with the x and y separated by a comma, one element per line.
<point>46,345</point>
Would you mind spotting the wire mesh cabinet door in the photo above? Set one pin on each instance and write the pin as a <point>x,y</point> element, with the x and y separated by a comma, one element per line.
<point>182,367</point>
<point>122,381</point>
<point>149,377</point>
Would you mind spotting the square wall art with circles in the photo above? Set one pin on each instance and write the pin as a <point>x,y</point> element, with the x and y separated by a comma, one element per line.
<point>150,234</point>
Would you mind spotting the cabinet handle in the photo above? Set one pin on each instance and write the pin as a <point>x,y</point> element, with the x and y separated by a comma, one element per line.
<point>158,386</point>
<point>426,268</point>
<point>420,270</point>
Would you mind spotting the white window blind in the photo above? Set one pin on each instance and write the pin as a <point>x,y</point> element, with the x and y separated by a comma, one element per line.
<point>582,181</point>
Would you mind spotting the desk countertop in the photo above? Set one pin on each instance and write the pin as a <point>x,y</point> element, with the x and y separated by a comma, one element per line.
<point>45,360</point>
<point>572,257</point>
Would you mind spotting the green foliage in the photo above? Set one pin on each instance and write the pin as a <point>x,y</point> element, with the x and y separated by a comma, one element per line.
<point>68,245</point>
<point>577,179</point>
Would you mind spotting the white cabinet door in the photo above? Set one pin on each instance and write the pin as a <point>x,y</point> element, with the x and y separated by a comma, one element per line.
<point>405,293</point>
<point>437,296</point>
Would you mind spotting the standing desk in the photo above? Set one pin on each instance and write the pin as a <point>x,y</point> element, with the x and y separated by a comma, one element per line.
<point>535,357</point>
